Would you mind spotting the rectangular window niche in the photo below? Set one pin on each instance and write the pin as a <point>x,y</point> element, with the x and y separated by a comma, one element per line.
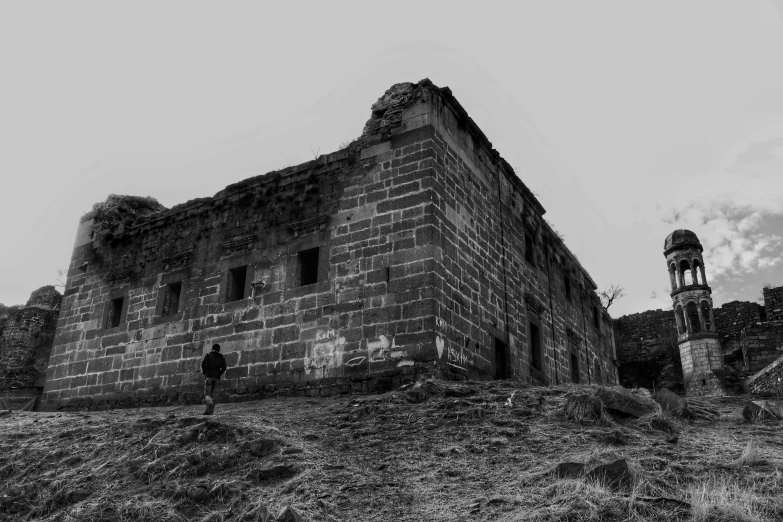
<point>171,299</point>
<point>114,316</point>
<point>237,278</point>
<point>308,267</point>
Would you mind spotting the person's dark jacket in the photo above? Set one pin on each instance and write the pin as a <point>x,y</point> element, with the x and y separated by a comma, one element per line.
<point>213,365</point>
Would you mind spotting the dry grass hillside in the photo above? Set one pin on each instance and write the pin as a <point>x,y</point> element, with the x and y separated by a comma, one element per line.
<point>438,451</point>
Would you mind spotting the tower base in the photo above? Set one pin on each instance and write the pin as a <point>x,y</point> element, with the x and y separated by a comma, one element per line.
<point>702,366</point>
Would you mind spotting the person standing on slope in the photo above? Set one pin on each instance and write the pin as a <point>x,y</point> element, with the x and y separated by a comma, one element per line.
<point>212,366</point>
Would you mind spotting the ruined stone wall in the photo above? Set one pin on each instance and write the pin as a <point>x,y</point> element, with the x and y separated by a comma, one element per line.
<point>648,352</point>
<point>644,344</point>
<point>419,271</point>
<point>26,336</point>
<point>768,381</point>
<point>732,317</point>
<point>372,297</point>
<point>761,344</point>
<point>762,350</point>
<point>773,303</point>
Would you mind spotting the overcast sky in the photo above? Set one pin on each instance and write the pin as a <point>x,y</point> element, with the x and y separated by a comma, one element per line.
<point>628,119</point>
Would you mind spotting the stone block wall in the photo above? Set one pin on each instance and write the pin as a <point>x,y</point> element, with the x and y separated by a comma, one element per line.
<point>26,336</point>
<point>732,317</point>
<point>648,352</point>
<point>702,366</point>
<point>761,344</point>
<point>432,258</point>
<point>773,303</point>
<point>503,307</point>
<point>768,381</point>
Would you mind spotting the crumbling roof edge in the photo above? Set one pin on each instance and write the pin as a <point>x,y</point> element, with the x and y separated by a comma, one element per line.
<point>232,189</point>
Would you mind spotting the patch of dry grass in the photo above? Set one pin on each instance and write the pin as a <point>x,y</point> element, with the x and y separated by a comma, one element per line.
<point>486,454</point>
<point>750,456</point>
<point>582,407</point>
<point>659,420</point>
<point>579,500</point>
<point>719,499</point>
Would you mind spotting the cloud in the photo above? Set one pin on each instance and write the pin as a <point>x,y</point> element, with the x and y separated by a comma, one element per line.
<point>758,153</point>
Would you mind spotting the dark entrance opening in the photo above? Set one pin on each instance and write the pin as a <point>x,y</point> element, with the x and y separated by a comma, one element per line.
<point>574,368</point>
<point>501,360</point>
<point>535,347</point>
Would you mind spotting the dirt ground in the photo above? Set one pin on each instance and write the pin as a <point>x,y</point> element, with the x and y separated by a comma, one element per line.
<point>443,451</point>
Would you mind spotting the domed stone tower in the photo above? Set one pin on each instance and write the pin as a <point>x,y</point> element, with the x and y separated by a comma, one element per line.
<point>700,353</point>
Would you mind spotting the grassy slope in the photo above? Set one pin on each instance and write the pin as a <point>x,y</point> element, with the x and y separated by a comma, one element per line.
<point>380,458</point>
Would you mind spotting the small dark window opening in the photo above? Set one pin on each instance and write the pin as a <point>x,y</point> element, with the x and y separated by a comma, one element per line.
<point>501,364</point>
<point>236,283</point>
<point>704,382</point>
<point>574,368</point>
<point>598,376</point>
<point>705,313</point>
<point>115,313</point>
<point>693,315</point>
<point>388,274</point>
<point>171,299</point>
<point>596,318</point>
<point>529,257</point>
<point>308,267</point>
<point>568,288</point>
<point>535,347</point>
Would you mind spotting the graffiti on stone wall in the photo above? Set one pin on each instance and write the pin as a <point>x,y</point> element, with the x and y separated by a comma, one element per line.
<point>327,350</point>
<point>453,352</point>
<point>383,350</point>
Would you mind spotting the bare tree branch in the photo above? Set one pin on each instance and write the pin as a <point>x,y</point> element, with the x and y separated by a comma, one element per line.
<point>610,295</point>
<point>62,276</point>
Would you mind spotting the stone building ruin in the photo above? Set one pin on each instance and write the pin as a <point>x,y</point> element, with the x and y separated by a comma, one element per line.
<point>415,251</point>
<point>26,336</point>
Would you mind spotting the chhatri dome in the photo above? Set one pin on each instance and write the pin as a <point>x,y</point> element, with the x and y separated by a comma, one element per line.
<point>679,239</point>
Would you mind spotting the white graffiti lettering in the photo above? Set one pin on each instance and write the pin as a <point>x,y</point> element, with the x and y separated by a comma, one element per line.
<point>322,335</point>
<point>459,358</point>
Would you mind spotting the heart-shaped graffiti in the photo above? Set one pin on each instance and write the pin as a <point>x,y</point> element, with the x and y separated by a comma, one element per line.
<point>439,344</point>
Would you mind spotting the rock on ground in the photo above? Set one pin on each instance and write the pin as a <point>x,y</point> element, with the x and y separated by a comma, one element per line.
<point>672,403</point>
<point>620,399</point>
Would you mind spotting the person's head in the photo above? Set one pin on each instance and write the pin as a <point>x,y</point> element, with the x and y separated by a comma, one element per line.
<point>216,347</point>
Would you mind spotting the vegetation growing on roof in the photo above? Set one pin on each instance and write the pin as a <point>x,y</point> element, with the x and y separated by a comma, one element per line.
<point>118,209</point>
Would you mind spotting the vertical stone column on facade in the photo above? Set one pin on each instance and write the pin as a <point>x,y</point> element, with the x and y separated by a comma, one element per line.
<point>700,351</point>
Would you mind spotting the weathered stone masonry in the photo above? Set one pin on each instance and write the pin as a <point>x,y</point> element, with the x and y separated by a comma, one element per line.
<point>414,251</point>
<point>26,336</point>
